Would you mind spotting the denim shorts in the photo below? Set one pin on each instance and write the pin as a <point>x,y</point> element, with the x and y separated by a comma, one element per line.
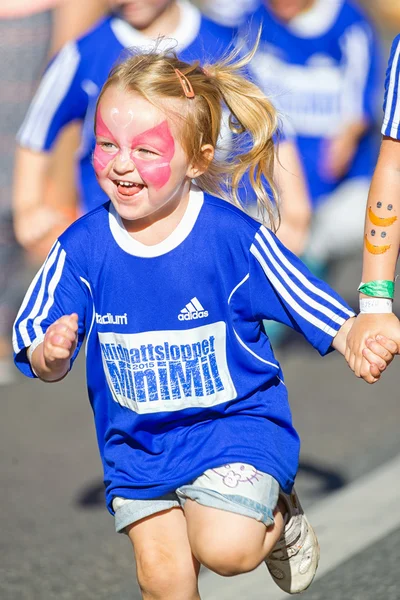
<point>237,488</point>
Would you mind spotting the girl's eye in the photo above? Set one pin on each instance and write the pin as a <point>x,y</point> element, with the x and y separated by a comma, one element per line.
<point>147,152</point>
<point>107,145</point>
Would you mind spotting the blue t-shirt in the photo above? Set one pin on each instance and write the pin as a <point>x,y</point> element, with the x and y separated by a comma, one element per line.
<point>180,373</point>
<point>71,85</point>
<point>391,106</point>
<point>321,70</point>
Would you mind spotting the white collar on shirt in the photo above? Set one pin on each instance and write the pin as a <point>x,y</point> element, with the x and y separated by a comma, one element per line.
<point>317,20</point>
<point>180,233</point>
<point>186,32</point>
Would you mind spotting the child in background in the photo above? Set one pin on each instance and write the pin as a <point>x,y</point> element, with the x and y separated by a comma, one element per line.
<point>381,233</point>
<point>319,62</point>
<point>170,282</point>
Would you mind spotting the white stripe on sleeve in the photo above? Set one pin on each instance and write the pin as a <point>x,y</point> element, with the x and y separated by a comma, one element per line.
<point>23,306</point>
<point>23,326</point>
<point>50,300</point>
<point>51,92</point>
<point>283,292</point>
<point>299,292</point>
<point>302,278</point>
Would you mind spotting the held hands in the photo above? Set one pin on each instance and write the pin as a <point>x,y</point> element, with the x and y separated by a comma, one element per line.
<point>59,344</point>
<point>372,342</point>
<point>375,361</point>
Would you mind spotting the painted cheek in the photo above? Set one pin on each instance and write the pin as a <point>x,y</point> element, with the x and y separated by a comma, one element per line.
<point>155,172</point>
<point>101,159</point>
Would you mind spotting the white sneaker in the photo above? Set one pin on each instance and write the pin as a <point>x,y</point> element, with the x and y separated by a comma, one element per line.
<point>294,560</point>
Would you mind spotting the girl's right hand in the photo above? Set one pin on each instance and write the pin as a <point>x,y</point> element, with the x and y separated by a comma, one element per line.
<point>377,332</point>
<point>60,342</point>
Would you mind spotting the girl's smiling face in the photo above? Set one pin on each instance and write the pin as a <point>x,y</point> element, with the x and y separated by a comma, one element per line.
<point>139,162</point>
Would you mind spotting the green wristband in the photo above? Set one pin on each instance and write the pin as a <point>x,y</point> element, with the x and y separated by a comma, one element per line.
<point>379,288</point>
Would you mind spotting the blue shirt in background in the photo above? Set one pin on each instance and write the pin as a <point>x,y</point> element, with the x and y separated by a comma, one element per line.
<point>322,71</point>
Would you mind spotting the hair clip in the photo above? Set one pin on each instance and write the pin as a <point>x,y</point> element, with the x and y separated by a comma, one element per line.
<point>185,83</point>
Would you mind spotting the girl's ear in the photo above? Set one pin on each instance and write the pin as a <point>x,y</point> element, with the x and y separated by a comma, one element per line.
<point>197,169</point>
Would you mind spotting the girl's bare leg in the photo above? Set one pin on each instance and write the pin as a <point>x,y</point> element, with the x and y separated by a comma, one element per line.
<point>229,543</point>
<point>166,567</point>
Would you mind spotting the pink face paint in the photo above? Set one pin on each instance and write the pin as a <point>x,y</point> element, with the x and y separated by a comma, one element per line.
<point>101,158</point>
<point>154,171</point>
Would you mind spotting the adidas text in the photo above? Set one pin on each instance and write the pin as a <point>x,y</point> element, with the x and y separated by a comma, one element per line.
<point>201,314</point>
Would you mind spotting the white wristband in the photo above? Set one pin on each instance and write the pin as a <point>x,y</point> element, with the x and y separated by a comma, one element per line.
<point>32,348</point>
<point>376,305</point>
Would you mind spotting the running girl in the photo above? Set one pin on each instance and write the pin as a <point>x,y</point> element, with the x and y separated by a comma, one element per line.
<point>170,282</point>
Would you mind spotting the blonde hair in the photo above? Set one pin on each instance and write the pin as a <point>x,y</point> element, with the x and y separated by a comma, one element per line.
<point>153,75</point>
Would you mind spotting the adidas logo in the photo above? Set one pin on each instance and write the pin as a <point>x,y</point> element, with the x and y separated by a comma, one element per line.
<point>192,310</point>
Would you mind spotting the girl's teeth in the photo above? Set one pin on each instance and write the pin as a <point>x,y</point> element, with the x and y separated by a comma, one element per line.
<point>129,184</point>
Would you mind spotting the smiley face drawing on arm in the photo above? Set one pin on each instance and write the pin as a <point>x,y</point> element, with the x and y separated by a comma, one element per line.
<point>382,222</point>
